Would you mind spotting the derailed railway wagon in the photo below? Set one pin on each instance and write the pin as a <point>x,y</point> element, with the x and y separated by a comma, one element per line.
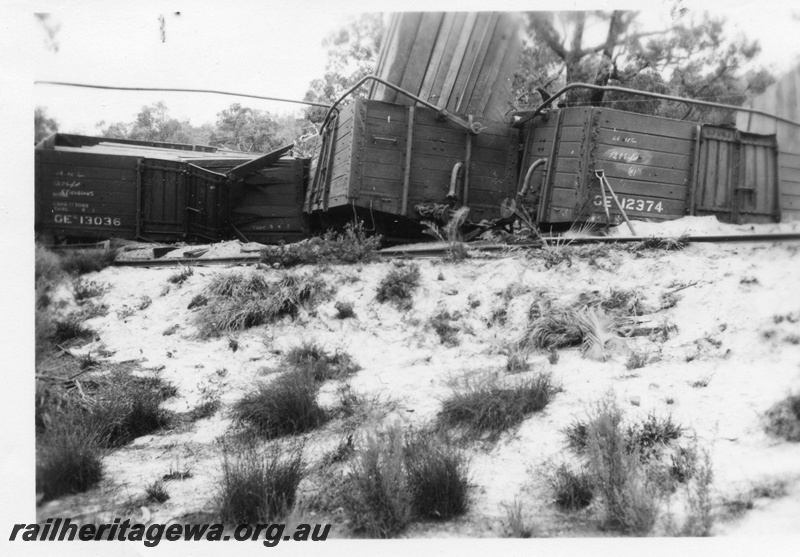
<point>88,188</point>
<point>575,160</point>
<point>396,165</point>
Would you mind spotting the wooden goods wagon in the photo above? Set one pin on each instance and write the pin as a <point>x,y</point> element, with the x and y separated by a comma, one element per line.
<point>659,168</point>
<point>385,161</point>
<point>87,187</point>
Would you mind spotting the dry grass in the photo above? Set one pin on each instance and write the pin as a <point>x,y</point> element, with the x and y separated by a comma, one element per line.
<point>398,286</point>
<point>241,300</point>
<point>350,247</point>
<point>488,408</point>
<point>258,486</point>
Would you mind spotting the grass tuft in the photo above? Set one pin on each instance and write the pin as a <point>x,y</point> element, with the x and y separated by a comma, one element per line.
<point>68,459</point>
<point>490,408</point>
<point>572,490</point>
<point>398,286</point>
<point>258,486</point>
<point>313,359</point>
<point>437,477</point>
<point>240,300</point>
<point>286,406</point>
<point>344,310</point>
<point>441,323</point>
<point>375,497</point>
<point>156,492</point>
<point>81,262</point>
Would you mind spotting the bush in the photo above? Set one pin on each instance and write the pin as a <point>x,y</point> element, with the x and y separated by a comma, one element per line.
<point>68,459</point>
<point>181,276</point>
<point>239,300</point>
<point>258,486</point>
<point>652,434</point>
<point>783,419</point>
<point>81,262</point>
<point>398,286</point>
<point>572,490</point>
<point>557,329</point>
<point>128,407</point>
<point>71,328</point>
<point>344,310</point>
<point>630,497</point>
<point>84,290</point>
<point>441,323</point>
<point>47,266</point>
<point>311,358</point>
<point>156,492</point>
<point>491,408</point>
<point>437,477</point>
<point>375,496</point>
<point>286,406</point>
<point>352,246</point>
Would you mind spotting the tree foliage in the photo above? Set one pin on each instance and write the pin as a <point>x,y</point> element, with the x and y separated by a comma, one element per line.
<point>154,123</point>
<point>692,59</point>
<point>43,125</point>
<point>352,53</point>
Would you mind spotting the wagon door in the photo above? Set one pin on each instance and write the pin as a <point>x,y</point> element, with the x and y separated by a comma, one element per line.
<point>181,201</point>
<point>737,176</point>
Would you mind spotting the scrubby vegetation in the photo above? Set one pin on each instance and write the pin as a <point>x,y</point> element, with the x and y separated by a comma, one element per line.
<point>489,407</point>
<point>285,406</point>
<point>258,486</point>
<point>398,286</point>
<point>349,247</point>
<point>396,479</point>
<point>240,300</point>
<point>313,359</point>
<point>783,419</point>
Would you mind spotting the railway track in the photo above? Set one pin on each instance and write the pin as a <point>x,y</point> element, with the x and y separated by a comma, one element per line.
<point>438,249</point>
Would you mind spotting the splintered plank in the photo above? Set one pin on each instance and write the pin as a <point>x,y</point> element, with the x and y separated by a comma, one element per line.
<point>441,56</point>
<point>420,56</point>
<point>458,59</point>
<point>476,51</point>
<point>397,54</point>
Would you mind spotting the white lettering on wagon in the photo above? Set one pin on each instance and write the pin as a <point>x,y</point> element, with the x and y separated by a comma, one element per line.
<point>73,193</point>
<point>87,220</point>
<point>631,204</point>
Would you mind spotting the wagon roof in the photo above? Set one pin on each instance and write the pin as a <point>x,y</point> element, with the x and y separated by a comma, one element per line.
<point>150,149</point>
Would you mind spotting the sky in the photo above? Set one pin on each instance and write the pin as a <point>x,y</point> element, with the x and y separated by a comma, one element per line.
<point>272,49</point>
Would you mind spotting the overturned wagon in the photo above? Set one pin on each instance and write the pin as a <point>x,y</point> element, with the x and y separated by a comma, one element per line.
<point>88,187</point>
<point>576,160</point>
<point>395,165</point>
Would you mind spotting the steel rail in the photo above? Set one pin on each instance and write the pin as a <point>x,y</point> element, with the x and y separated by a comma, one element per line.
<point>571,86</point>
<point>473,128</point>
<point>175,90</point>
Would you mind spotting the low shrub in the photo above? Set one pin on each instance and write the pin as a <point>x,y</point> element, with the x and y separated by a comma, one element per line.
<point>311,358</point>
<point>68,458</point>
<point>69,329</point>
<point>783,419</point>
<point>47,266</point>
<point>85,290</point>
<point>127,407</point>
<point>490,408</point>
<point>156,492</point>
<point>437,477</point>
<point>398,286</point>
<point>181,276</point>
<point>81,262</point>
<point>442,324</point>
<point>636,360</point>
<point>344,310</point>
<point>557,329</point>
<point>629,495</point>
<point>517,524</point>
<point>375,497</point>
<point>286,406</point>
<point>258,486</point>
<point>240,300</point>
<point>651,434</point>
<point>351,246</point>
<point>572,490</point>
